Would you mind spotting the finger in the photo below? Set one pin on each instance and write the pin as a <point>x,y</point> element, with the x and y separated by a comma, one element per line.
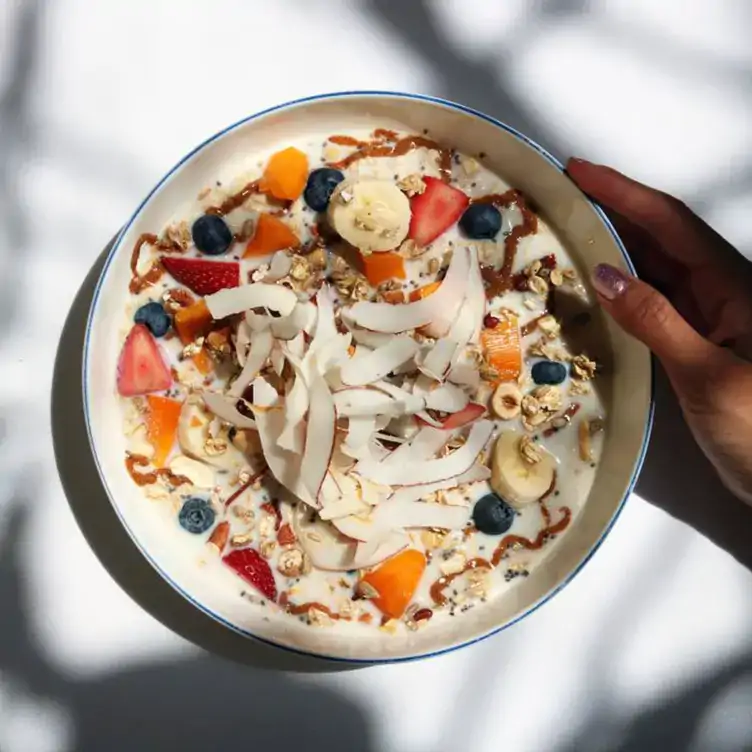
<point>648,316</point>
<point>681,233</point>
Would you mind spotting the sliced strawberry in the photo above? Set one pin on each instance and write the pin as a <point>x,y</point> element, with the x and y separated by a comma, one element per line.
<point>435,210</point>
<point>254,569</point>
<point>141,368</point>
<point>203,277</point>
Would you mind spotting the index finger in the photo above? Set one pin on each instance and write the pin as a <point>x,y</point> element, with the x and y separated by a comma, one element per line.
<point>681,234</point>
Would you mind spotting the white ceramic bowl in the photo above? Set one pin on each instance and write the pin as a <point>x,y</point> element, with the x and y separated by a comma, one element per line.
<point>582,227</point>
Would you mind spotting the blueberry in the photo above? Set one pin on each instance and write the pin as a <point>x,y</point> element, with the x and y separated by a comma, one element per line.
<point>492,515</point>
<point>211,235</point>
<point>154,317</point>
<point>320,186</point>
<point>549,372</point>
<point>481,221</point>
<point>196,515</point>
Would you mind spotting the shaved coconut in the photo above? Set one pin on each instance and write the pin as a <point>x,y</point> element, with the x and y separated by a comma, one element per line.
<point>242,342</point>
<point>295,347</point>
<point>326,548</point>
<point>426,443</point>
<point>224,407</point>
<point>279,267</point>
<point>261,348</point>
<point>430,471</point>
<point>440,308</point>
<point>373,553</point>
<point>358,401</point>
<point>292,437</point>
<point>277,359</point>
<point>325,328</point>
<point>199,474</point>
<point>464,374</point>
<point>410,402</point>
<point>362,528</point>
<point>264,394</point>
<point>406,427</point>
<point>319,442</point>
<point>475,474</point>
<point>344,506</point>
<point>360,429</point>
<point>283,465</point>
<point>475,297</point>
<point>239,299</point>
<point>371,339</point>
<point>302,317</point>
<point>448,398</point>
<point>435,363</point>
<point>366,369</point>
<point>330,491</point>
<point>333,352</point>
<point>257,322</point>
<point>371,493</point>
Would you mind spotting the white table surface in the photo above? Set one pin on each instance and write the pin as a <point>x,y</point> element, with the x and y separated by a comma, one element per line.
<point>649,648</point>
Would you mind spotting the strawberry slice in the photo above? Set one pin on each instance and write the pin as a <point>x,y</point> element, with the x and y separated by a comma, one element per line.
<point>435,210</point>
<point>140,368</point>
<point>203,277</point>
<point>254,569</point>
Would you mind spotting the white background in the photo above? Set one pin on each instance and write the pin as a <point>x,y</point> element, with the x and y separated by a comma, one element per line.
<point>649,648</point>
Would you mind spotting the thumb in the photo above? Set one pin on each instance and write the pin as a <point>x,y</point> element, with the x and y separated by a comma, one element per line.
<point>649,317</point>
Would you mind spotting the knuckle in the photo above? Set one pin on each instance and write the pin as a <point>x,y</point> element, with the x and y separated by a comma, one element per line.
<point>652,310</point>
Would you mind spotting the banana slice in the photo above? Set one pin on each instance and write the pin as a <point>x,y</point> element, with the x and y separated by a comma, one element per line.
<point>372,215</point>
<point>514,475</point>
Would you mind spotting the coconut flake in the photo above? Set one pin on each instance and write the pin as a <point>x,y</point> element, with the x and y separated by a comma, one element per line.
<point>292,437</point>
<point>261,348</point>
<point>362,401</point>
<point>447,398</point>
<point>325,328</point>
<point>279,267</point>
<point>239,299</point>
<point>224,407</point>
<point>242,342</point>
<point>475,474</point>
<point>439,309</point>
<point>374,552</point>
<point>464,374</point>
<point>326,548</point>
<point>288,327</point>
<point>283,465</point>
<point>377,364</point>
<point>432,470</point>
<point>320,434</point>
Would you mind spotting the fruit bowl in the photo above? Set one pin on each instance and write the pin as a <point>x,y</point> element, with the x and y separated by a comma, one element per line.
<point>580,226</point>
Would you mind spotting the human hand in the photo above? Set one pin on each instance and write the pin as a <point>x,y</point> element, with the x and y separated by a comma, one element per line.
<point>700,323</point>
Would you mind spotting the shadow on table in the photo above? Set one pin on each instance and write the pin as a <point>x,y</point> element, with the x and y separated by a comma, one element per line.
<point>103,530</point>
<point>193,704</point>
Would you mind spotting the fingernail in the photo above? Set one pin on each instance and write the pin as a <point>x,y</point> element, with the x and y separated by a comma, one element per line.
<point>609,281</point>
<point>579,160</point>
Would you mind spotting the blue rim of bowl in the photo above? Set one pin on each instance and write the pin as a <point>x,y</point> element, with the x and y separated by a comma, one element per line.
<point>116,247</point>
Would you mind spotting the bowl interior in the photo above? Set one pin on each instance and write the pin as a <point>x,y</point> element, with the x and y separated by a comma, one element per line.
<point>579,225</point>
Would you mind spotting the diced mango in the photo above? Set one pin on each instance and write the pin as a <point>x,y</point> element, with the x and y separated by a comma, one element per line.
<point>192,321</point>
<point>286,174</point>
<point>501,348</point>
<point>162,415</point>
<point>395,581</point>
<point>380,267</point>
<point>272,234</point>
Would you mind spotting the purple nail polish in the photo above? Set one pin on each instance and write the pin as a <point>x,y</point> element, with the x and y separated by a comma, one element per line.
<point>609,281</point>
